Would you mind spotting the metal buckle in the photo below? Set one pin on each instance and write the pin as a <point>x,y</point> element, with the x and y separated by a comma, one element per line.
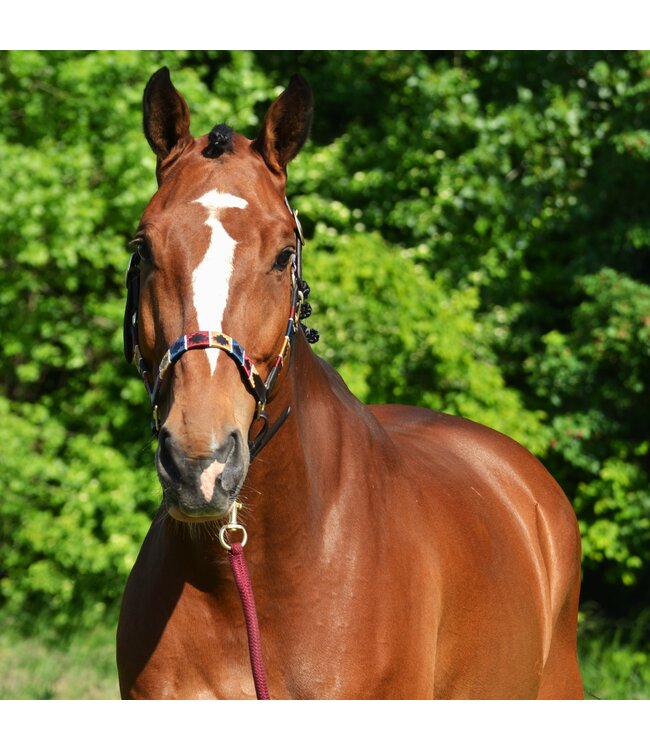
<point>232,525</point>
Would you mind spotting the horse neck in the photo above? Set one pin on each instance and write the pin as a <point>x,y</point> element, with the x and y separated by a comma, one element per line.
<point>291,491</point>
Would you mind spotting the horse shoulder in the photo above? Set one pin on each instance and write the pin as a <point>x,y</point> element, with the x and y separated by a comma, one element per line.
<point>481,467</point>
<point>501,532</point>
<point>468,453</point>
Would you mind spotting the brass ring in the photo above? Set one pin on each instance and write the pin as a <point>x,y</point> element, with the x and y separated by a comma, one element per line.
<point>232,527</point>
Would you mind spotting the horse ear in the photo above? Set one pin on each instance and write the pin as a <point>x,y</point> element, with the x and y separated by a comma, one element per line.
<point>286,125</point>
<point>166,116</point>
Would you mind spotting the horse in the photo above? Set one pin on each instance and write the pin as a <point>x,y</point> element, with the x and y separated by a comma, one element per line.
<point>395,552</point>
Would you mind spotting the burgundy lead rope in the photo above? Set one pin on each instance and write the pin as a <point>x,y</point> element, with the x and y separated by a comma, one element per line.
<point>243,581</point>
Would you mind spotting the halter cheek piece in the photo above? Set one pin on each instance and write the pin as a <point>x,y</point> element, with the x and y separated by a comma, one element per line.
<point>259,388</point>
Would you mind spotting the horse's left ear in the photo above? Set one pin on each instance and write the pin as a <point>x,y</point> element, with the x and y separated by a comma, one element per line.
<point>286,125</point>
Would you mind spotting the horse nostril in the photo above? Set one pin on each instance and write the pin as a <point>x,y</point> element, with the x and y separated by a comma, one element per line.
<point>235,468</point>
<point>168,455</point>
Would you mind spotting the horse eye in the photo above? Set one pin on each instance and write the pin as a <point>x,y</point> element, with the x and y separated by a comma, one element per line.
<point>282,261</point>
<point>142,248</point>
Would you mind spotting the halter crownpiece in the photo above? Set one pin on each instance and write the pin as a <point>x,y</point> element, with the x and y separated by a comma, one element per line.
<point>258,387</point>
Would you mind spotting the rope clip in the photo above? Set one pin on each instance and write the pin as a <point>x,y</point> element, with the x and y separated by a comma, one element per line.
<point>232,525</point>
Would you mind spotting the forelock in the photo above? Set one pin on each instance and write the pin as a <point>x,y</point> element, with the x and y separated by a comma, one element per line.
<point>219,141</point>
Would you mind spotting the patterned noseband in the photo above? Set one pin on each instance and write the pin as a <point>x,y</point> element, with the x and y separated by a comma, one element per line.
<point>259,388</point>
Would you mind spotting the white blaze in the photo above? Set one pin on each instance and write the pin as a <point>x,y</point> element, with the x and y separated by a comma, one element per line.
<point>211,278</point>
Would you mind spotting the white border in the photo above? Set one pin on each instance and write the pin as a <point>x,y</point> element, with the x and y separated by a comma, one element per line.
<point>332,24</point>
<point>326,725</point>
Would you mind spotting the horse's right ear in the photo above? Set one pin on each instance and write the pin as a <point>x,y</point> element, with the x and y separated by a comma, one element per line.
<point>166,116</point>
<point>286,125</point>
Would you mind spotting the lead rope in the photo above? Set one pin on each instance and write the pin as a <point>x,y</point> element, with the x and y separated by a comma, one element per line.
<point>243,582</point>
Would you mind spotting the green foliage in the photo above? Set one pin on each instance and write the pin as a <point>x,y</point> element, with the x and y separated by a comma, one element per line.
<point>478,242</point>
<point>613,657</point>
<point>73,515</point>
<point>396,334</point>
<point>596,376</point>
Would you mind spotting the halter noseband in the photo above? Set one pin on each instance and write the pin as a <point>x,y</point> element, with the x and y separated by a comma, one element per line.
<point>259,388</point>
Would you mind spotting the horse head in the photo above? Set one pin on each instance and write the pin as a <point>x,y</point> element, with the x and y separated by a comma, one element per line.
<point>211,287</point>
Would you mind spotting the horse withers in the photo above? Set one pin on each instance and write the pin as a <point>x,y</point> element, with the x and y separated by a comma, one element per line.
<point>395,552</point>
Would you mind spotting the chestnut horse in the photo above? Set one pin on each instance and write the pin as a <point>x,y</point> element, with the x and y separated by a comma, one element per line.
<point>395,552</point>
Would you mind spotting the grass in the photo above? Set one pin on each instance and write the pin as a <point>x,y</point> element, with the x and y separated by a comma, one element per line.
<point>615,657</point>
<point>614,661</point>
<point>83,668</point>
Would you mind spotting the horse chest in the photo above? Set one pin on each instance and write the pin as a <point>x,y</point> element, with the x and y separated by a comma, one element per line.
<point>337,645</point>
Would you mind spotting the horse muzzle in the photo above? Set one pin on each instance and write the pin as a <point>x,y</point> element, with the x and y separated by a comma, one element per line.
<point>201,488</point>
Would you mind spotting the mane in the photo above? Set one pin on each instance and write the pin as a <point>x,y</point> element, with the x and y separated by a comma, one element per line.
<point>219,141</point>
